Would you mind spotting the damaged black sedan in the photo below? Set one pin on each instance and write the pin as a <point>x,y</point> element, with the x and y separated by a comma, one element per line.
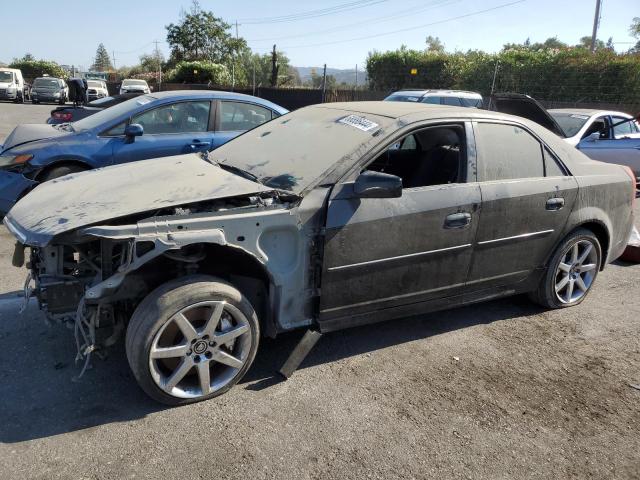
<point>330,217</point>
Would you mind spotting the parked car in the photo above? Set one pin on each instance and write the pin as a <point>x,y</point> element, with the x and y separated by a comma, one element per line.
<point>317,221</point>
<point>148,126</point>
<point>49,89</point>
<point>454,98</point>
<point>72,113</point>
<point>133,85</point>
<point>607,136</point>
<point>97,89</point>
<point>12,85</point>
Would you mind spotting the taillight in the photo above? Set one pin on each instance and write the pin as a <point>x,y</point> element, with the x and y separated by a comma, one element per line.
<point>634,182</point>
<point>66,116</point>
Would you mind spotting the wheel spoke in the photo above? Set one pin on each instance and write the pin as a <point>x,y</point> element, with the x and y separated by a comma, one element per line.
<point>227,359</point>
<point>205,377</point>
<point>585,254</point>
<point>565,267</point>
<point>581,285</point>
<point>574,254</point>
<point>178,374</point>
<point>569,291</point>
<point>185,326</point>
<point>231,334</point>
<point>587,268</point>
<point>562,283</point>
<point>169,352</point>
<point>214,319</point>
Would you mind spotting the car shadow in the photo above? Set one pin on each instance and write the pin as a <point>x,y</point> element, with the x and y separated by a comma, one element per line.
<point>39,396</point>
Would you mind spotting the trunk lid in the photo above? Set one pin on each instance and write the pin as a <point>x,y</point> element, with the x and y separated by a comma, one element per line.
<point>526,107</point>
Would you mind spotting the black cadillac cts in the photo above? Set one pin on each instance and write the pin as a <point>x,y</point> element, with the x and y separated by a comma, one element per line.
<point>332,216</point>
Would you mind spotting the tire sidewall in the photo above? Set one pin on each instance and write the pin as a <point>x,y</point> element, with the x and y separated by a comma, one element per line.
<point>164,302</point>
<point>550,283</point>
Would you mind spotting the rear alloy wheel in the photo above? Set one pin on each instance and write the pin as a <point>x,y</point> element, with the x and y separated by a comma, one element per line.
<point>571,272</point>
<point>191,340</point>
<point>576,271</point>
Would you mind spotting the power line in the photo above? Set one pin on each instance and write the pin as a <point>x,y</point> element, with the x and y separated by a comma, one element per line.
<point>345,7</point>
<point>402,13</point>
<point>504,5</point>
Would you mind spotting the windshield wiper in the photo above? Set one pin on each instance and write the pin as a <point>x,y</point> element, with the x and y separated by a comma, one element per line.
<point>238,171</point>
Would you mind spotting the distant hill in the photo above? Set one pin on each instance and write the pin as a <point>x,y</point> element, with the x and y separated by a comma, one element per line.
<point>2,64</point>
<point>347,76</point>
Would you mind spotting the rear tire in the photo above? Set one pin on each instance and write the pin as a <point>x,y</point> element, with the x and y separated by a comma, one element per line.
<point>571,271</point>
<point>61,171</point>
<point>192,339</point>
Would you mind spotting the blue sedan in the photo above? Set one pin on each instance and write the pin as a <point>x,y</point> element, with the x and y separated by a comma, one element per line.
<point>149,126</point>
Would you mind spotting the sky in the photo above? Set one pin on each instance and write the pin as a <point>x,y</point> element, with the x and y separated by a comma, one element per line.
<point>341,39</point>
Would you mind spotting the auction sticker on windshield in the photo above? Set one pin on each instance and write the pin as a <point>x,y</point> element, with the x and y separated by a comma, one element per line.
<point>360,123</point>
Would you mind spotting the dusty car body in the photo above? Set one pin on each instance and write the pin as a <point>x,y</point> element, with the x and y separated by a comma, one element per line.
<point>603,135</point>
<point>332,216</point>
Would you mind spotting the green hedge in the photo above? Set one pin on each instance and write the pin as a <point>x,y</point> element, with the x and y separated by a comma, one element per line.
<point>571,74</point>
<point>199,72</point>
<point>36,68</point>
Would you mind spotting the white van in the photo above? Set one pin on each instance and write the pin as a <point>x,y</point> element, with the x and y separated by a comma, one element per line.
<point>11,85</point>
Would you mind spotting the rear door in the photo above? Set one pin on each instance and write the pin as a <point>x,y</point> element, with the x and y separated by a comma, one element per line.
<point>388,252</point>
<point>171,129</point>
<point>234,118</point>
<point>527,196</point>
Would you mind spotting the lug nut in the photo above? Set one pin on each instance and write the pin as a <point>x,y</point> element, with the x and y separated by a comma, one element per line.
<point>196,359</point>
<point>212,344</point>
<point>189,352</point>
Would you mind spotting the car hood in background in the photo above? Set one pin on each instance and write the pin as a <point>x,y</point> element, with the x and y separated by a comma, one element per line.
<point>526,107</point>
<point>31,132</point>
<point>96,196</point>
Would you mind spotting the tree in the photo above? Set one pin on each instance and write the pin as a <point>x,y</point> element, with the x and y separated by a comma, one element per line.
<point>200,35</point>
<point>634,30</point>
<point>28,58</point>
<point>200,72</point>
<point>37,68</point>
<point>248,61</point>
<point>434,44</point>
<point>102,62</point>
<point>585,42</point>
<point>551,43</point>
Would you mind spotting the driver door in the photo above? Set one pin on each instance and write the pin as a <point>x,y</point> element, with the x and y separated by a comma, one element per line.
<point>382,253</point>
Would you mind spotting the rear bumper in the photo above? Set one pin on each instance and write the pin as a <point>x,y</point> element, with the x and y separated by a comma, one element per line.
<point>12,187</point>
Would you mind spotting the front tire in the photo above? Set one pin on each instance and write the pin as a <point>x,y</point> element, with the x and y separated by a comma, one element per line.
<point>571,272</point>
<point>61,171</point>
<point>192,339</point>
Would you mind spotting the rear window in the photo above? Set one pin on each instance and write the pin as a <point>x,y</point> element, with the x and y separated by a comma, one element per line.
<point>402,98</point>
<point>46,82</point>
<point>507,152</point>
<point>433,100</point>
<point>134,82</point>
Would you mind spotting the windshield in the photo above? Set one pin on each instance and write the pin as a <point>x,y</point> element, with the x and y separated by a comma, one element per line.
<point>571,123</point>
<point>6,77</point>
<point>104,117</point>
<point>46,82</point>
<point>300,148</point>
<point>94,84</point>
<point>134,82</point>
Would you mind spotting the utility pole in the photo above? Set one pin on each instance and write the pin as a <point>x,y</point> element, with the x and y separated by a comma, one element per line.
<point>596,24</point>
<point>254,78</point>
<point>324,82</point>
<point>233,64</point>
<point>113,54</point>
<point>157,53</point>
<point>274,67</point>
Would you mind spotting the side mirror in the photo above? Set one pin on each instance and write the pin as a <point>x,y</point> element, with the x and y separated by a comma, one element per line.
<point>372,184</point>
<point>133,130</point>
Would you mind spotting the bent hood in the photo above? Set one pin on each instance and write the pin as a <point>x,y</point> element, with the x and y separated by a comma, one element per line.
<point>30,133</point>
<point>97,196</point>
<point>526,107</point>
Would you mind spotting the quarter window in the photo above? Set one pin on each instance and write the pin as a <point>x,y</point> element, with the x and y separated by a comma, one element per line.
<point>507,152</point>
<point>183,117</point>
<point>238,116</point>
<point>433,100</point>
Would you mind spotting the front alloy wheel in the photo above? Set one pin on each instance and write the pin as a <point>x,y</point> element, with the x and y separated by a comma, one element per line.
<point>200,349</point>
<point>192,339</point>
